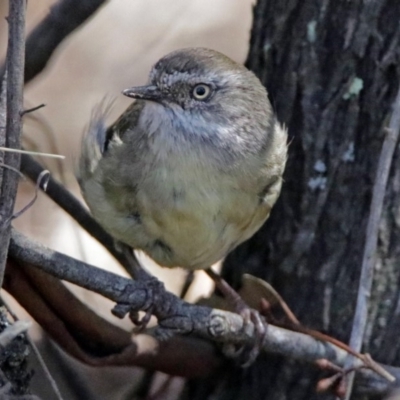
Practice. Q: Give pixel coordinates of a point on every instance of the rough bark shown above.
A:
(14, 96)
(332, 72)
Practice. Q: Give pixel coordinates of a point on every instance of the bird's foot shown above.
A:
(153, 286)
(245, 354)
(248, 354)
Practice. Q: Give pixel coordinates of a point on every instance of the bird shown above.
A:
(194, 165)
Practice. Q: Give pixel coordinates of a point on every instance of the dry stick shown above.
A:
(71, 205)
(3, 117)
(32, 153)
(174, 315)
(43, 179)
(64, 17)
(15, 81)
(17, 171)
(30, 110)
(74, 208)
(369, 257)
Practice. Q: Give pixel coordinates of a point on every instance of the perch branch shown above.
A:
(95, 341)
(369, 257)
(64, 17)
(14, 95)
(174, 315)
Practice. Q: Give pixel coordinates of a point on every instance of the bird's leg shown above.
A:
(248, 314)
(187, 284)
(134, 267)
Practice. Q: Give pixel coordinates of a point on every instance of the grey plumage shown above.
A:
(183, 179)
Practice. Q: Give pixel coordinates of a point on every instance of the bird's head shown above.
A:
(199, 80)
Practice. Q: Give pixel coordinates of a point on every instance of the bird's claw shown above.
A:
(245, 354)
(153, 288)
(260, 330)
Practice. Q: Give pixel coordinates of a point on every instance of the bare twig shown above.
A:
(30, 110)
(17, 171)
(64, 17)
(42, 180)
(45, 369)
(173, 314)
(15, 80)
(369, 257)
(3, 119)
(33, 153)
(69, 203)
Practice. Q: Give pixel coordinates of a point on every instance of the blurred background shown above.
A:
(114, 50)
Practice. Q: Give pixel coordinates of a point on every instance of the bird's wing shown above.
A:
(98, 138)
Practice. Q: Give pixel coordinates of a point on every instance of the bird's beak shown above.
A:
(149, 92)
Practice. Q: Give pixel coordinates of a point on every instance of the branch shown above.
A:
(15, 80)
(174, 315)
(95, 341)
(369, 257)
(3, 121)
(64, 17)
(71, 205)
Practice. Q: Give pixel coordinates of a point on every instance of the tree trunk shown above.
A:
(332, 72)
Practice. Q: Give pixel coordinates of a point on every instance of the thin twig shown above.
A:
(32, 153)
(30, 110)
(369, 257)
(17, 171)
(64, 17)
(3, 119)
(45, 369)
(69, 203)
(42, 181)
(15, 81)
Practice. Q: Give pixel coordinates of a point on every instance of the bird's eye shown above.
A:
(201, 92)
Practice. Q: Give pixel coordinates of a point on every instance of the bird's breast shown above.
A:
(176, 202)
(193, 212)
